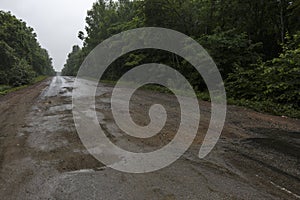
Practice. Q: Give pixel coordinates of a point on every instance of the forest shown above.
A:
(22, 59)
(255, 44)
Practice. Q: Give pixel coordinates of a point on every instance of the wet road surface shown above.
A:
(42, 156)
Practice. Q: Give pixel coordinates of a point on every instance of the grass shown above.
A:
(5, 89)
(267, 107)
(39, 79)
(153, 87)
(259, 106)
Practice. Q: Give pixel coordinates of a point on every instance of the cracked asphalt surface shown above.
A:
(42, 157)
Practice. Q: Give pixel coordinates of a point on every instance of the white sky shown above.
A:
(56, 22)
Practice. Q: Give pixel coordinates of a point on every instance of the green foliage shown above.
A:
(21, 74)
(105, 19)
(276, 81)
(73, 62)
(5, 89)
(230, 49)
(242, 36)
(294, 16)
(21, 57)
(7, 56)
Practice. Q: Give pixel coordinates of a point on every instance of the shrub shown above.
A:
(21, 74)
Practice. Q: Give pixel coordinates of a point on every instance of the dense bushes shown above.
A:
(276, 80)
(20, 74)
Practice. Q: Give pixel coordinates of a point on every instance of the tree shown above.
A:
(20, 74)
(276, 80)
(244, 37)
(294, 16)
(73, 62)
(230, 49)
(19, 46)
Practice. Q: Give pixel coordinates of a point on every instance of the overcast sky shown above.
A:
(56, 22)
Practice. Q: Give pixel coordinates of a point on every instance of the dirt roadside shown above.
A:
(14, 107)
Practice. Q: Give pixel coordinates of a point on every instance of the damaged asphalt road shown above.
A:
(42, 157)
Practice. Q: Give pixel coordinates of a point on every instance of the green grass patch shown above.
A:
(39, 79)
(5, 89)
(259, 106)
(267, 107)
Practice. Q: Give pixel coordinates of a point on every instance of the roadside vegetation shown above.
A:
(22, 60)
(255, 44)
(5, 89)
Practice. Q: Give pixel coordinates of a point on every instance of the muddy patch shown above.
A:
(76, 162)
(282, 141)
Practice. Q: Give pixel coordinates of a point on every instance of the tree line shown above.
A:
(21, 56)
(255, 44)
